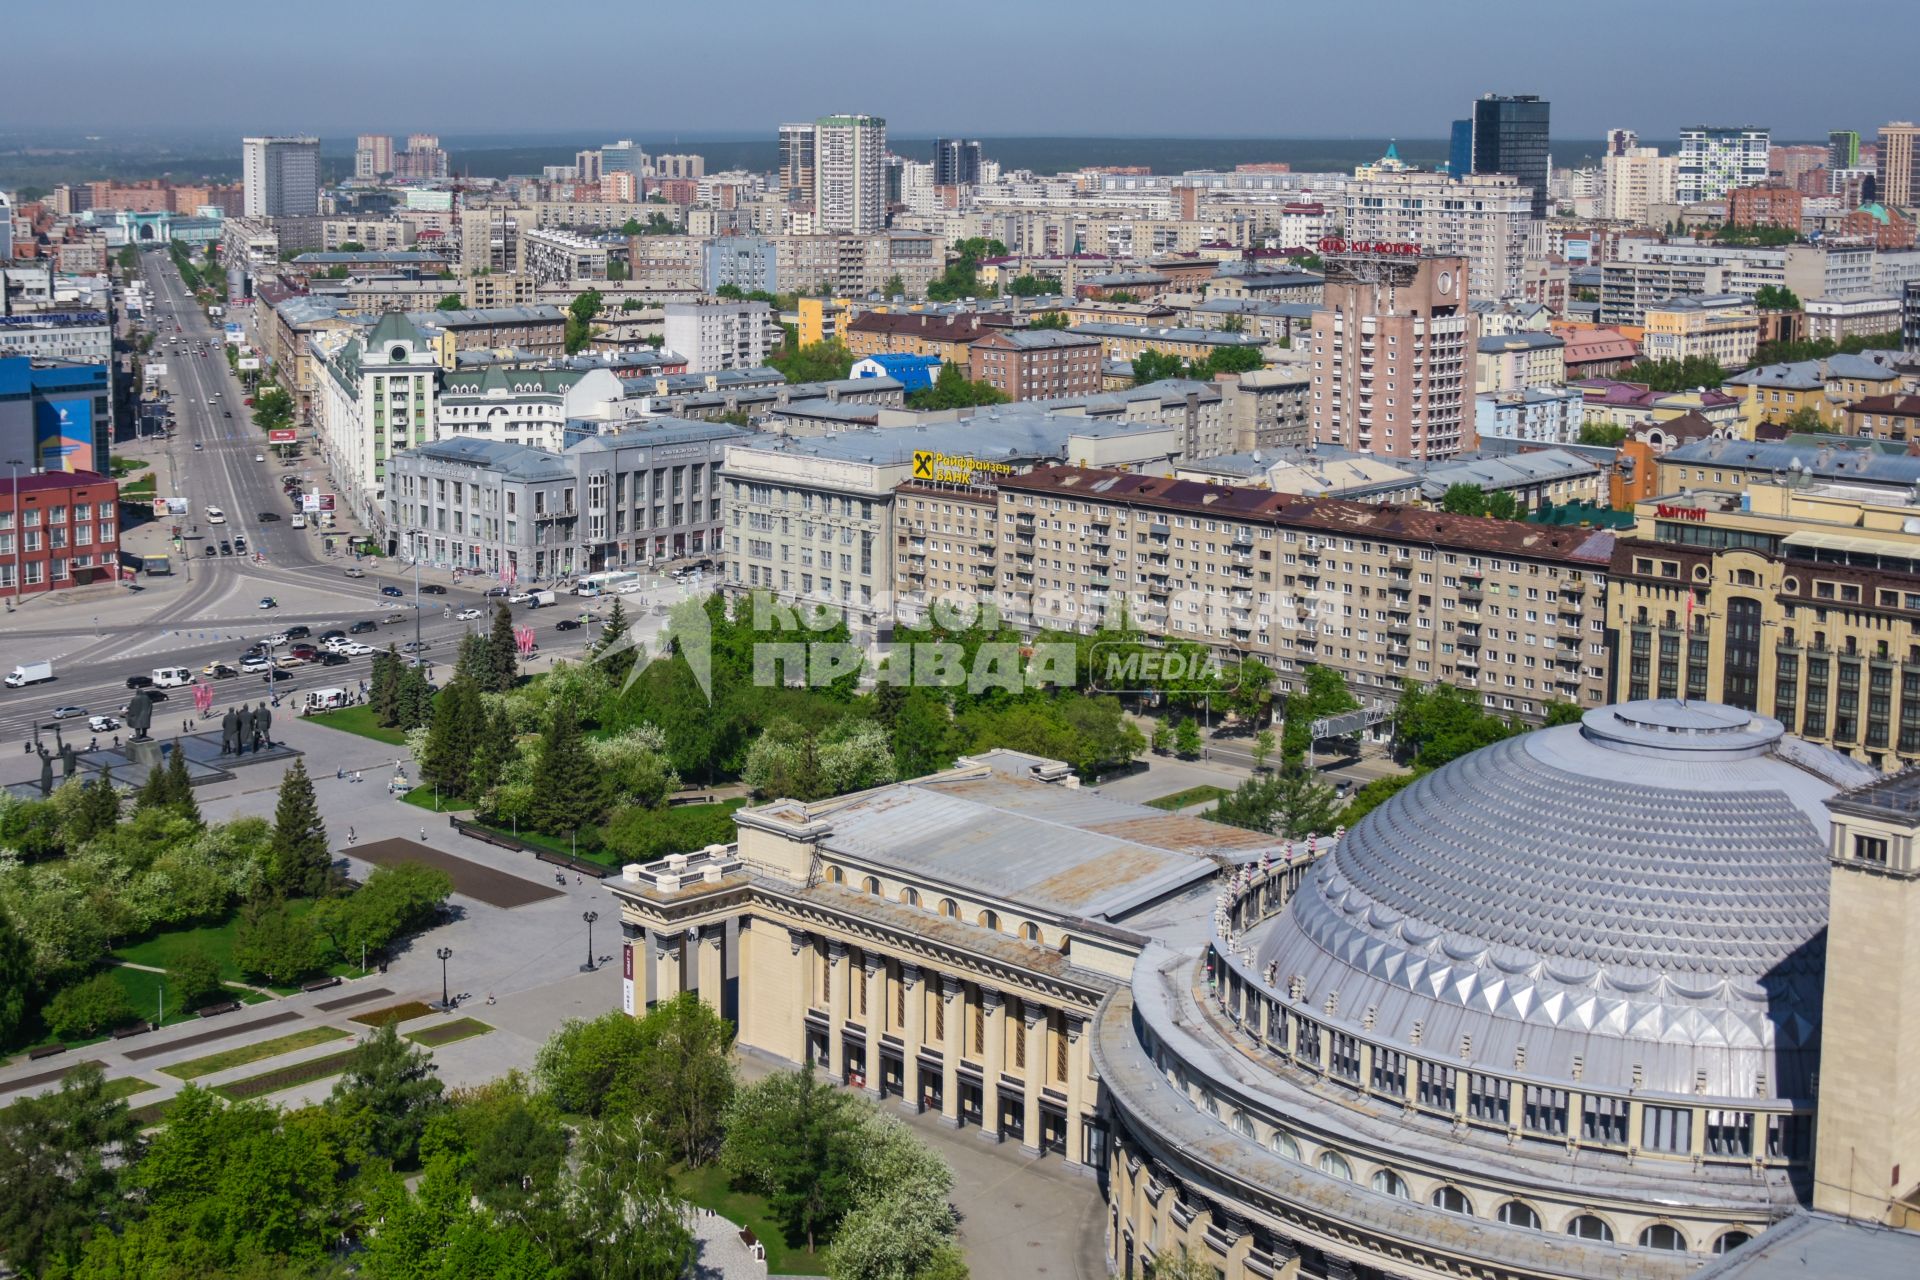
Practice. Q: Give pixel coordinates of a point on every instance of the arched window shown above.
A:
(836, 876)
(949, 908)
(1588, 1227)
(1515, 1214)
(1662, 1236)
(1242, 1125)
(1730, 1241)
(1452, 1199)
(910, 896)
(1335, 1165)
(989, 919)
(1030, 931)
(871, 884)
(1284, 1146)
(1389, 1183)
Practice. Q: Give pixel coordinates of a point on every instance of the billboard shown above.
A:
(314, 503)
(283, 435)
(63, 433)
(248, 362)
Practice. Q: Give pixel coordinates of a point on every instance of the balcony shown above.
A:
(1466, 641)
(1468, 660)
(1401, 572)
(1573, 590)
(1160, 529)
(1471, 595)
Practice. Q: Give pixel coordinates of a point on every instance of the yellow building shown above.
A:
(1805, 606)
(1126, 341)
(820, 319)
(1724, 328)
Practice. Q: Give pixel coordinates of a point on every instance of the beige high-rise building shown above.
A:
(796, 162)
(1483, 217)
(1899, 163)
(372, 156)
(849, 175)
(1392, 347)
(1631, 181)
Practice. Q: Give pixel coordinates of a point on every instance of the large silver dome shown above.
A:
(1637, 901)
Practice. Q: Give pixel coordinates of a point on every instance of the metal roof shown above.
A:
(1638, 901)
(1818, 1244)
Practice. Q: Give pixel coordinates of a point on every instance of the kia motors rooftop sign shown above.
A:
(1380, 248)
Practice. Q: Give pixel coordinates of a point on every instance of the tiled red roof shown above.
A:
(1896, 406)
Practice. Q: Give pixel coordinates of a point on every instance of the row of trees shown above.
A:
(1156, 366)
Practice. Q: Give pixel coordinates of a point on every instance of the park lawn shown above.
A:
(1192, 795)
(708, 1189)
(240, 1055)
(448, 1032)
(162, 950)
(425, 797)
(143, 992)
(127, 1086)
(360, 720)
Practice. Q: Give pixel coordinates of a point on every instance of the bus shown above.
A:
(600, 584)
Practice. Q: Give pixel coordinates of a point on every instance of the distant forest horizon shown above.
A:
(42, 163)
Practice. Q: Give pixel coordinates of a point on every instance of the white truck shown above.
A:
(26, 673)
(171, 677)
(541, 600)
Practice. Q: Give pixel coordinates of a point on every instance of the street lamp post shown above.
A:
(589, 917)
(445, 954)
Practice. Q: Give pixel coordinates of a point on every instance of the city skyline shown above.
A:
(326, 81)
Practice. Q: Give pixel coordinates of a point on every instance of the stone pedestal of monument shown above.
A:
(145, 755)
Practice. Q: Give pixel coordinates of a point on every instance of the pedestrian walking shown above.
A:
(350, 835)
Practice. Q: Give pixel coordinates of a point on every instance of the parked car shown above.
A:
(357, 650)
(298, 631)
(362, 627)
(304, 652)
(331, 658)
(332, 635)
(393, 592)
(275, 641)
(257, 662)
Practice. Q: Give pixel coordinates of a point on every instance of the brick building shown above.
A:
(58, 529)
(1036, 364)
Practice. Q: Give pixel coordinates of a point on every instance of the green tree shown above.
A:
(506, 652)
(273, 409)
(1051, 320)
(569, 791)
(386, 1096)
(1031, 286)
(613, 647)
(383, 689)
(951, 389)
(623, 1221)
(1186, 738)
(920, 735)
(1374, 794)
(1559, 713)
(1676, 375)
(302, 863)
(89, 1008)
(1502, 505)
(272, 943)
(895, 287)
(180, 787)
(1773, 297)
(1237, 359)
(61, 1159)
(451, 302)
(458, 723)
(16, 975)
(1436, 724)
(1182, 1264)
(1464, 500)
(797, 1140)
(1156, 366)
(591, 1066)
(153, 793)
(1262, 749)
(1293, 803)
(496, 749)
(413, 699)
(902, 1223)
(684, 1076)
(195, 978)
(818, 362)
(580, 314)
(1601, 434)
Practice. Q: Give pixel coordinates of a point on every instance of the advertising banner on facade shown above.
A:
(626, 979)
(63, 433)
(283, 435)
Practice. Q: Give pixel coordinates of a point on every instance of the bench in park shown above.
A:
(137, 1029)
(214, 1010)
(45, 1051)
(321, 984)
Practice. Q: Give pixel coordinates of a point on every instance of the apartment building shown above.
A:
(280, 176)
(491, 292)
(490, 239)
(58, 528)
(716, 335)
(1036, 364)
(1509, 611)
(1519, 362)
(387, 234)
(523, 406)
(375, 397)
(1633, 180)
(1724, 328)
(1897, 167)
(1801, 602)
(1125, 342)
(849, 176)
(1715, 159)
(813, 518)
(556, 257)
(946, 336)
(1484, 218)
(1390, 356)
(539, 330)
(946, 541)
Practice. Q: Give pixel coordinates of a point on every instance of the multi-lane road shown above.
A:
(216, 615)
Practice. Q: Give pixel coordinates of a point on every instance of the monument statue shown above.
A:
(247, 730)
(230, 733)
(140, 714)
(263, 716)
(46, 773)
(67, 762)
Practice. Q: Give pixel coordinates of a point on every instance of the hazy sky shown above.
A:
(1259, 68)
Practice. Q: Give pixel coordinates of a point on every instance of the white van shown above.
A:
(325, 699)
(299, 521)
(171, 677)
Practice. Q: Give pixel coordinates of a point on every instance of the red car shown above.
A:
(305, 652)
